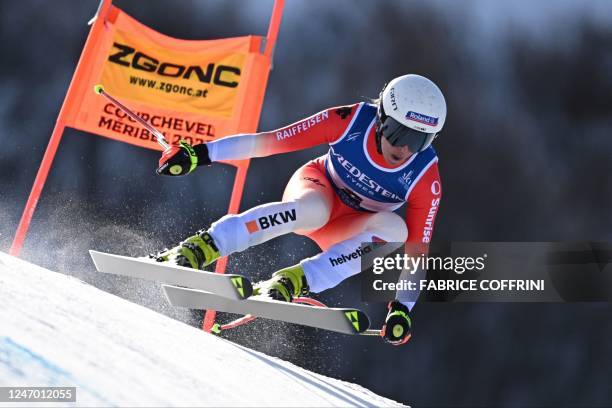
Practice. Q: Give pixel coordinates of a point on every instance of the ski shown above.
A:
(341, 320)
(235, 287)
(218, 328)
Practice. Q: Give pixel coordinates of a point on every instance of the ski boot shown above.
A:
(195, 252)
(284, 285)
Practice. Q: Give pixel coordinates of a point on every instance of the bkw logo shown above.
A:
(271, 220)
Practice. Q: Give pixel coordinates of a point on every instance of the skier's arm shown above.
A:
(422, 206)
(321, 128)
(421, 211)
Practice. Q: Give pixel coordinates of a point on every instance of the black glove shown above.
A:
(183, 159)
(398, 324)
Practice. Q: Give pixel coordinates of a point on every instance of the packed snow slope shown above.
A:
(58, 331)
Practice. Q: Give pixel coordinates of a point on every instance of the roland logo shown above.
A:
(424, 119)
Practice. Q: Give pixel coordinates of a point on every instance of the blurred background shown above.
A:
(525, 155)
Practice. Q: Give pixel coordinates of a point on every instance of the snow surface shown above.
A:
(58, 331)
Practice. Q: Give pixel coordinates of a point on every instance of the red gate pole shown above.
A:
(39, 182)
(234, 207)
(275, 20)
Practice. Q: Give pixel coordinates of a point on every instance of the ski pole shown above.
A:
(372, 332)
(99, 89)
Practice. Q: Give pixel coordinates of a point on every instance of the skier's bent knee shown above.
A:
(313, 211)
(391, 225)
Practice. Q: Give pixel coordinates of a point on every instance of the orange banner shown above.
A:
(191, 90)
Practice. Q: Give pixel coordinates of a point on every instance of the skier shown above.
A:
(380, 157)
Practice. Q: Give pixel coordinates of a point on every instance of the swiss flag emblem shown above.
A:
(252, 226)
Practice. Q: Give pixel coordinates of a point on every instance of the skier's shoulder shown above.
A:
(345, 112)
(429, 164)
(338, 119)
(429, 156)
(427, 181)
(348, 111)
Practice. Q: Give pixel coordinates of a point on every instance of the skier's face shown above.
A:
(394, 155)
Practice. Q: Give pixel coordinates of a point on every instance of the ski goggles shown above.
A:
(400, 135)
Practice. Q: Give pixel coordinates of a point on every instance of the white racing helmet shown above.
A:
(411, 112)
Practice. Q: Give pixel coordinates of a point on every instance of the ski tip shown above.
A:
(171, 292)
(93, 254)
(358, 319)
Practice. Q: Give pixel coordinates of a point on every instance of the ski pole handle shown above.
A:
(99, 89)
